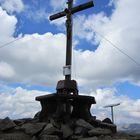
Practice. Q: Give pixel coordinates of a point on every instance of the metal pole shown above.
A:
(112, 114)
(69, 37)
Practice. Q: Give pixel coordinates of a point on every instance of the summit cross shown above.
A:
(68, 12)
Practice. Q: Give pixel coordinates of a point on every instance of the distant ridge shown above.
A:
(130, 128)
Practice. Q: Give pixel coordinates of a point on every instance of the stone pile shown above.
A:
(74, 129)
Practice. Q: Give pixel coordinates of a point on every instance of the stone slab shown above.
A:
(49, 137)
(6, 124)
(99, 131)
(92, 138)
(33, 128)
(67, 131)
(83, 123)
(14, 136)
(55, 96)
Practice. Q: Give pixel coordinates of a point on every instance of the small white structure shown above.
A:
(111, 106)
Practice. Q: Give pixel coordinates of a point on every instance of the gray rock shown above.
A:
(99, 131)
(75, 137)
(48, 126)
(49, 137)
(91, 138)
(19, 121)
(78, 130)
(6, 124)
(22, 121)
(67, 131)
(105, 138)
(81, 131)
(34, 138)
(112, 127)
(33, 128)
(107, 120)
(17, 128)
(83, 123)
(15, 136)
(51, 130)
(55, 123)
(36, 116)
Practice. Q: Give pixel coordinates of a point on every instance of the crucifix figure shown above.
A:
(68, 12)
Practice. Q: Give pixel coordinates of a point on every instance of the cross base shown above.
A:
(64, 106)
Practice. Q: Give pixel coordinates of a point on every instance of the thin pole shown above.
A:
(112, 114)
(69, 37)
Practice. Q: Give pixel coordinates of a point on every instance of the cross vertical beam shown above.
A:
(69, 37)
(68, 12)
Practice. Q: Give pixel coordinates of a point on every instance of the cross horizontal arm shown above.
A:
(58, 15)
(74, 10)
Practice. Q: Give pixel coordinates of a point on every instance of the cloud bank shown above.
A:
(20, 103)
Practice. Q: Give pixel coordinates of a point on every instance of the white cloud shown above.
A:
(12, 5)
(107, 65)
(61, 5)
(58, 5)
(122, 29)
(37, 58)
(36, 14)
(89, 25)
(8, 25)
(127, 112)
(6, 71)
(19, 103)
(34, 58)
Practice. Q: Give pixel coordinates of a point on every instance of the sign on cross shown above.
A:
(68, 12)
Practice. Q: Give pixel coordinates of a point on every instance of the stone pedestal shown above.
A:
(66, 105)
(61, 106)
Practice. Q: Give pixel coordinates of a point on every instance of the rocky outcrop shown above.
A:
(75, 129)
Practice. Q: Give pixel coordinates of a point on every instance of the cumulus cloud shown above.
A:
(19, 103)
(33, 58)
(6, 70)
(122, 30)
(107, 65)
(57, 6)
(37, 58)
(37, 15)
(12, 5)
(36, 11)
(8, 26)
(127, 112)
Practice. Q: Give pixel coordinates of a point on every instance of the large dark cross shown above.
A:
(68, 12)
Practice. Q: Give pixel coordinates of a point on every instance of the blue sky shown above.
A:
(34, 63)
